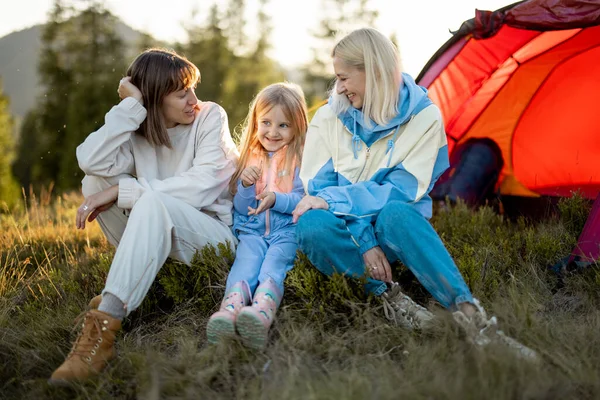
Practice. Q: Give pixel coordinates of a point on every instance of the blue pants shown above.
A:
(259, 258)
(402, 233)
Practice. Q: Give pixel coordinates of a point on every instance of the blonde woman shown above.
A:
(157, 176)
(371, 157)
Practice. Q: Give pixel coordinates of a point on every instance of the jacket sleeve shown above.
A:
(408, 181)
(363, 233)
(107, 152)
(211, 170)
(286, 202)
(244, 197)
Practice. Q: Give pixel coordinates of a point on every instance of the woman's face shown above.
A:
(179, 107)
(351, 82)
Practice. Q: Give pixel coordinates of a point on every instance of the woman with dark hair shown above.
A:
(157, 176)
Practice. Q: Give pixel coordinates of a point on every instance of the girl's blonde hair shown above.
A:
(370, 51)
(290, 98)
(157, 73)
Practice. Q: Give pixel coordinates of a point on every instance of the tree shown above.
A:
(209, 50)
(9, 191)
(81, 61)
(28, 167)
(96, 65)
(233, 70)
(339, 16)
(250, 73)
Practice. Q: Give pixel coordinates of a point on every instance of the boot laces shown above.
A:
(83, 347)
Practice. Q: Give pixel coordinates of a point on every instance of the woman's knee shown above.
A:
(148, 203)
(315, 227)
(397, 215)
(93, 184)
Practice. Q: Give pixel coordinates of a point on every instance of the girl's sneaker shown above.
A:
(253, 322)
(222, 323)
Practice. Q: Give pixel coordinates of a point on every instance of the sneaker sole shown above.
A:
(218, 328)
(252, 330)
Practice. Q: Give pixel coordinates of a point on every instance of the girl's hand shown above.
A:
(250, 176)
(95, 204)
(308, 203)
(378, 266)
(128, 89)
(267, 200)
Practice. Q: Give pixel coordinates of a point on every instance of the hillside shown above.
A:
(19, 54)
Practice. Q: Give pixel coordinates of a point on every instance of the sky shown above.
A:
(421, 26)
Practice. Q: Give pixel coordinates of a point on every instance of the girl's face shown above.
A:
(179, 107)
(274, 129)
(351, 82)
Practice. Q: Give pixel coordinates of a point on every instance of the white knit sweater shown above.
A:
(197, 169)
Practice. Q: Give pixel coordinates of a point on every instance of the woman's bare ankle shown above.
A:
(468, 309)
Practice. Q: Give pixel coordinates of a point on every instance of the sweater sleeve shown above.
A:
(107, 152)
(209, 175)
(285, 203)
(244, 197)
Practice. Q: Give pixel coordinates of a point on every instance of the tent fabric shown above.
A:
(535, 15)
(528, 77)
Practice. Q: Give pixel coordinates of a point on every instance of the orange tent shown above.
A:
(528, 77)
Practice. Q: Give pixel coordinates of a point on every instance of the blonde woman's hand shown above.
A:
(266, 201)
(95, 204)
(377, 264)
(250, 175)
(128, 89)
(308, 203)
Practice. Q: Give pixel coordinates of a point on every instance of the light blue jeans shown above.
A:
(402, 233)
(259, 258)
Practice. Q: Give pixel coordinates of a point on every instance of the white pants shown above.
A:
(158, 226)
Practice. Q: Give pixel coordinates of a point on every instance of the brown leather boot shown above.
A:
(92, 350)
(95, 302)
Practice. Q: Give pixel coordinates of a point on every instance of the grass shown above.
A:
(329, 341)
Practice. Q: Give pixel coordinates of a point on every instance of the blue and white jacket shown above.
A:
(358, 170)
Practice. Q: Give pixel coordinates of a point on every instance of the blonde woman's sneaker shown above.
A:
(253, 322)
(403, 311)
(482, 331)
(222, 323)
(92, 350)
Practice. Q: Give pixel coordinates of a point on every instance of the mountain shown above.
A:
(19, 53)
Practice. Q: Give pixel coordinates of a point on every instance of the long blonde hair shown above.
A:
(157, 73)
(370, 51)
(290, 98)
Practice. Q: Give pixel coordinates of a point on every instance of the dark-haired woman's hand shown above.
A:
(128, 89)
(308, 203)
(95, 204)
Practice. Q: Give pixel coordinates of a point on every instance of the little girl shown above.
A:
(266, 188)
